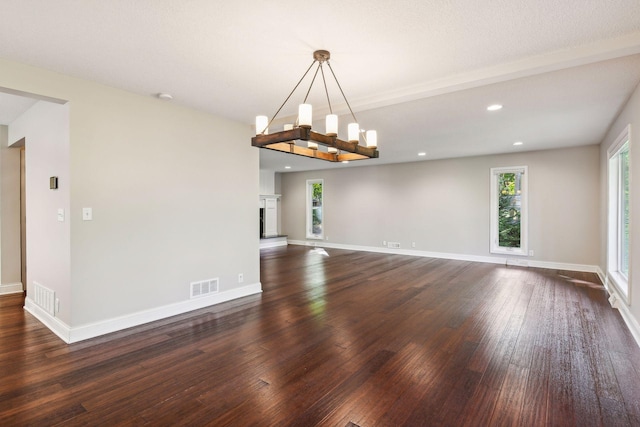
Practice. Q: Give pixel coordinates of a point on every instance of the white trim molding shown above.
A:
(601, 275)
(520, 200)
(515, 261)
(11, 288)
(92, 330)
(273, 242)
(617, 302)
(56, 325)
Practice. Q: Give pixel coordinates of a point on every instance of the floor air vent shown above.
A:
(204, 287)
(44, 297)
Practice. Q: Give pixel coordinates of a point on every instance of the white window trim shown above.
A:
(309, 207)
(617, 279)
(524, 212)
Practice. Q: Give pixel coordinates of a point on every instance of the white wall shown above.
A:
(443, 205)
(45, 129)
(173, 192)
(10, 273)
(629, 115)
(267, 182)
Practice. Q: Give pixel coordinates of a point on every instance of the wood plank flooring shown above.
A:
(343, 339)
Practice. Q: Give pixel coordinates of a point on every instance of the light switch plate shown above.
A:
(87, 214)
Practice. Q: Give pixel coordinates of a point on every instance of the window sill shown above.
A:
(509, 251)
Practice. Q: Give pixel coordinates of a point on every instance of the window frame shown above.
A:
(619, 279)
(309, 210)
(495, 248)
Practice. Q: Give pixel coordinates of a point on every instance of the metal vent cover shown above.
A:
(44, 298)
(204, 287)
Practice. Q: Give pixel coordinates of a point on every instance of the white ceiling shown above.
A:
(420, 72)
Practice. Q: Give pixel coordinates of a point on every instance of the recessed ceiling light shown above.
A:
(165, 96)
(345, 161)
(494, 107)
(422, 153)
(287, 167)
(518, 143)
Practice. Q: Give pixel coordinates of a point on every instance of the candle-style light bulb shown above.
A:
(353, 132)
(372, 139)
(305, 115)
(261, 125)
(332, 125)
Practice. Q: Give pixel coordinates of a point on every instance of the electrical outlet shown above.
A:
(240, 278)
(57, 305)
(413, 244)
(384, 243)
(531, 252)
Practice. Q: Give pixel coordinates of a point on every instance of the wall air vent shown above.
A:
(44, 298)
(393, 245)
(517, 262)
(204, 287)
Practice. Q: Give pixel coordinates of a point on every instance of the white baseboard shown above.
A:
(92, 330)
(10, 288)
(56, 325)
(273, 244)
(617, 302)
(564, 266)
(459, 257)
(410, 252)
(601, 275)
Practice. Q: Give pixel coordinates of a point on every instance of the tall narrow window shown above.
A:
(509, 210)
(618, 223)
(315, 229)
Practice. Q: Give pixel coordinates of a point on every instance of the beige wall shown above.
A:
(9, 211)
(443, 205)
(45, 129)
(629, 115)
(173, 191)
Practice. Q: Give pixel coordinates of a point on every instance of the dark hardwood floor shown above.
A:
(344, 339)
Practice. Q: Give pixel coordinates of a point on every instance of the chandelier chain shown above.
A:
(289, 96)
(326, 91)
(312, 82)
(319, 68)
(342, 92)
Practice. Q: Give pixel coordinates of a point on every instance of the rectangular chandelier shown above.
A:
(284, 141)
(337, 150)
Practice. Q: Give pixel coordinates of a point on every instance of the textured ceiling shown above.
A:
(420, 72)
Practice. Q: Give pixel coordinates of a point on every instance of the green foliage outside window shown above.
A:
(508, 211)
(317, 193)
(624, 219)
(316, 210)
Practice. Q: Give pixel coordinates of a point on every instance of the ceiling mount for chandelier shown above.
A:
(324, 146)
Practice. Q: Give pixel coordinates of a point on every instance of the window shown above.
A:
(509, 210)
(314, 209)
(618, 223)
